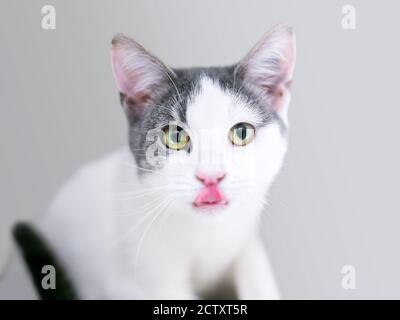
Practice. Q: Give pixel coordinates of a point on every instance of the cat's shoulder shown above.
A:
(90, 189)
(99, 173)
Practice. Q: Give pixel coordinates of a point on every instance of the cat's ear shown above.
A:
(267, 69)
(140, 77)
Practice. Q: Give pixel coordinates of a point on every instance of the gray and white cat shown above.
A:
(176, 214)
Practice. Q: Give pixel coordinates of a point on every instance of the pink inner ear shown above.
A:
(123, 82)
(269, 66)
(278, 96)
(281, 87)
(136, 74)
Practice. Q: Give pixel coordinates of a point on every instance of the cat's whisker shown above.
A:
(169, 188)
(239, 184)
(149, 213)
(146, 186)
(177, 91)
(242, 189)
(132, 188)
(140, 186)
(262, 201)
(144, 190)
(144, 235)
(264, 204)
(140, 209)
(166, 216)
(139, 195)
(154, 209)
(241, 180)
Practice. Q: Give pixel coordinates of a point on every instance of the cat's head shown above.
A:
(209, 138)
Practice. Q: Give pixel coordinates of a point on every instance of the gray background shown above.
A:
(336, 201)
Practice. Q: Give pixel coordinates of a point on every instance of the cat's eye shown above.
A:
(175, 137)
(241, 134)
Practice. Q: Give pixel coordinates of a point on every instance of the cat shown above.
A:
(176, 213)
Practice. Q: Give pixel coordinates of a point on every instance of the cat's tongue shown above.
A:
(210, 195)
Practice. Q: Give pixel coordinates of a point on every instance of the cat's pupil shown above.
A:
(174, 136)
(241, 132)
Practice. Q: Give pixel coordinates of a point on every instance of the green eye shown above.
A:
(175, 137)
(241, 134)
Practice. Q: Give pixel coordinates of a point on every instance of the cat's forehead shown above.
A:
(208, 98)
(213, 106)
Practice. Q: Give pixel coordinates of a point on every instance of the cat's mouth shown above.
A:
(210, 197)
(210, 204)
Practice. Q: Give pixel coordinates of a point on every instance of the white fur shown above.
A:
(119, 239)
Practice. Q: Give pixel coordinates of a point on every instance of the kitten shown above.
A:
(176, 214)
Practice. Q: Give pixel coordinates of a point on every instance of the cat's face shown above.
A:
(209, 139)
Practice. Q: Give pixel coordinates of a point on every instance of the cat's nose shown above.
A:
(210, 179)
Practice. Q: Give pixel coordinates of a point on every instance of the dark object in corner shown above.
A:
(36, 254)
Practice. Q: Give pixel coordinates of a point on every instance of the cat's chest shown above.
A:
(210, 252)
(212, 262)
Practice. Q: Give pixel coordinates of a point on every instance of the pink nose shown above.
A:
(211, 179)
(211, 194)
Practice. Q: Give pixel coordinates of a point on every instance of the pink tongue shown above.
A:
(209, 195)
